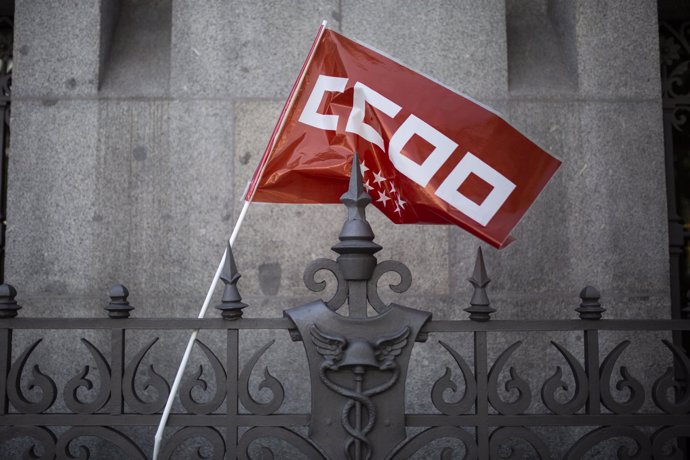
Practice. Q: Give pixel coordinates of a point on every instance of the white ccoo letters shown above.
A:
(355, 123)
(481, 213)
(420, 173)
(310, 115)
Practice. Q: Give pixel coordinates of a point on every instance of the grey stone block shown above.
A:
(168, 197)
(150, 209)
(542, 58)
(457, 43)
(618, 49)
(110, 14)
(51, 236)
(57, 48)
(616, 199)
(138, 62)
(238, 48)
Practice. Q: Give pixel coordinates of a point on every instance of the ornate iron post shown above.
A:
(358, 363)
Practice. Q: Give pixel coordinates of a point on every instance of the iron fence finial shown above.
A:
(8, 306)
(356, 247)
(480, 309)
(590, 308)
(118, 307)
(231, 304)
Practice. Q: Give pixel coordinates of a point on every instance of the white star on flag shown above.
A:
(383, 198)
(378, 185)
(378, 178)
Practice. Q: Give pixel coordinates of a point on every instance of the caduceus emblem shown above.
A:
(358, 355)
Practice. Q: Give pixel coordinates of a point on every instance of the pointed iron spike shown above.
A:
(479, 275)
(231, 303)
(229, 271)
(355, 198)
(480, 309)
(356, 247)
(356, 176)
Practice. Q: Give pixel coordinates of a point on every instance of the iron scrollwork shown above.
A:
(381, 269)
(412, 445)
(187, 388)
(69, 438)
(154, 380)
(269, 382)
(643, 446)
(662, 449)
(81, 380)
(675, 51)
(524, 397)
(39, 381)
(517, 432)
(636, 396)
(208, 434)
(667, 382)
(43, 449)
(340, 295)
(555, 382)
(304, 445)
(445, 383)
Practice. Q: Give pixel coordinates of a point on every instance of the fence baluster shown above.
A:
(231, 399)
(591, 309)
(482, 406)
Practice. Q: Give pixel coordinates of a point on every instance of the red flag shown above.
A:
(428, 154)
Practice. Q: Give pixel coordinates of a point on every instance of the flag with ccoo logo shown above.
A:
(429, 155)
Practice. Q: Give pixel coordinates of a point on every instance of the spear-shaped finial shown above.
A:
(479, 309)
(231, 304)
(356, 199)
(356, 247)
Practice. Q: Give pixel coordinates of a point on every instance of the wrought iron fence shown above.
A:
(358, 366)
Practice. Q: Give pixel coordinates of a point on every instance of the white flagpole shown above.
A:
(195, 332)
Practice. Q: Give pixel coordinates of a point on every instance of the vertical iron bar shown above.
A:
(481, 365)
(5, 361)
(117, 357)
(231, 399)
(592, 368)
(357, 299)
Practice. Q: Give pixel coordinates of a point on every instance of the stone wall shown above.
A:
(135, 126)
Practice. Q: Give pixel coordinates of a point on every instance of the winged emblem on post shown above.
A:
(338, 352)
